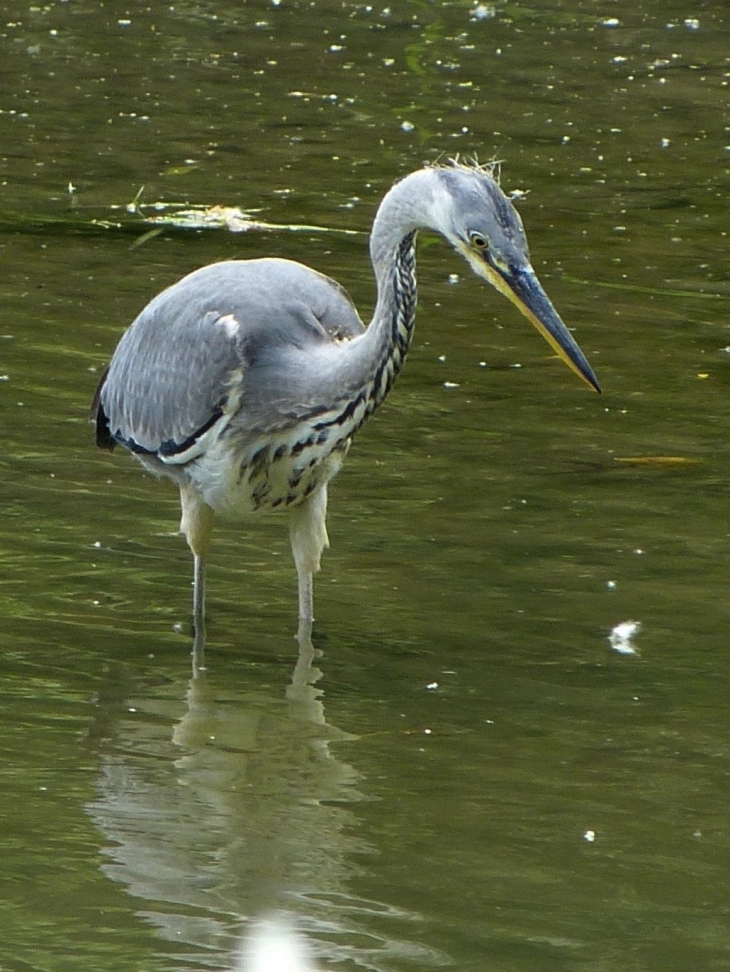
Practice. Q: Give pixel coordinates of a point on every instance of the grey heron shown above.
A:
(246, 381)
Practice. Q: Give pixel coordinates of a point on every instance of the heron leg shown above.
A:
(308, 533)
(198, 588)
(197, 525)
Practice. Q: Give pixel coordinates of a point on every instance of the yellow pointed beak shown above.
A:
(526, 292)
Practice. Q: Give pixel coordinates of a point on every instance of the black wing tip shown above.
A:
(97, 416)
(104, 438)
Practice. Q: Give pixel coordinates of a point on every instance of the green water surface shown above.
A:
(468, 776)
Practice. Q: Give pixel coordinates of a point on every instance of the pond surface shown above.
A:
(469, 775)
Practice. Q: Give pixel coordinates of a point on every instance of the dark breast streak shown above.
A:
(276, 477)
(283, 469)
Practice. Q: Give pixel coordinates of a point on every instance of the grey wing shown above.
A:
(182, 365)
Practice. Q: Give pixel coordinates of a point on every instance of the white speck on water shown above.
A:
(407, 126)
(451, 384)
(482, 11)
(453, 278)
(590, 836)
(622, 635)
(442, 357)
(432, 686)
(611, 22)
(611, 585)
(664, 142)
(691, 23)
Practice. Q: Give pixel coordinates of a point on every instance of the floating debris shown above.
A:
(621, 637)
(229, 218)
(159, 217)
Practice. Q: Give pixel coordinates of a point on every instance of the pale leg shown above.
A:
(308, 534)
(197, 525)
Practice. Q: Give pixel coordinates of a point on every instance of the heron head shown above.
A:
(480, 221)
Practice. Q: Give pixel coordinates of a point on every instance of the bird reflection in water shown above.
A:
(227, 814)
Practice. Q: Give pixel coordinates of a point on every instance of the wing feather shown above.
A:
(183, 363)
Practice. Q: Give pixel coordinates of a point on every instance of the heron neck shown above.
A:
(389, 334)
(362, 372)
(404, 210)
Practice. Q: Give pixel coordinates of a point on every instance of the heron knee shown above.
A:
(308, 532)
(196, 521)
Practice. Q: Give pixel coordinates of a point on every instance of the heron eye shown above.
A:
(478, 241)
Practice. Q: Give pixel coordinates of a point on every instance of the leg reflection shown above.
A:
(226, 801)
(198, 651)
